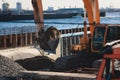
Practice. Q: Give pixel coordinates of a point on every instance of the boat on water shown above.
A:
(9, 17)
(8, 14)
(48, 14)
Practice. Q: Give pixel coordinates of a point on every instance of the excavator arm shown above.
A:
(38, 15)
(48, 40)
(92, 9)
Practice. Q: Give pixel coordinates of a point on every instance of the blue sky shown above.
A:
(26, 4)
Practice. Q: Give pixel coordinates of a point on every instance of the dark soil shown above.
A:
(37, 63)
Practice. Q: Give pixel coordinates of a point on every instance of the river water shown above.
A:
(25, 26)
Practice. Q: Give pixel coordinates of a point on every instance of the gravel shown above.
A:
(9, 68)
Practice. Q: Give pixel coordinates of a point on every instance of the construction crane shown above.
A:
(90, 47)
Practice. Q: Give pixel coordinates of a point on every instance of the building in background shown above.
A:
(5, 7)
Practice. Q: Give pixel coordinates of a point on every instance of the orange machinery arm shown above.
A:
(92, 9)
(38, 14)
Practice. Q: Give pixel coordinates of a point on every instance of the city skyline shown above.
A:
(26, 4)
